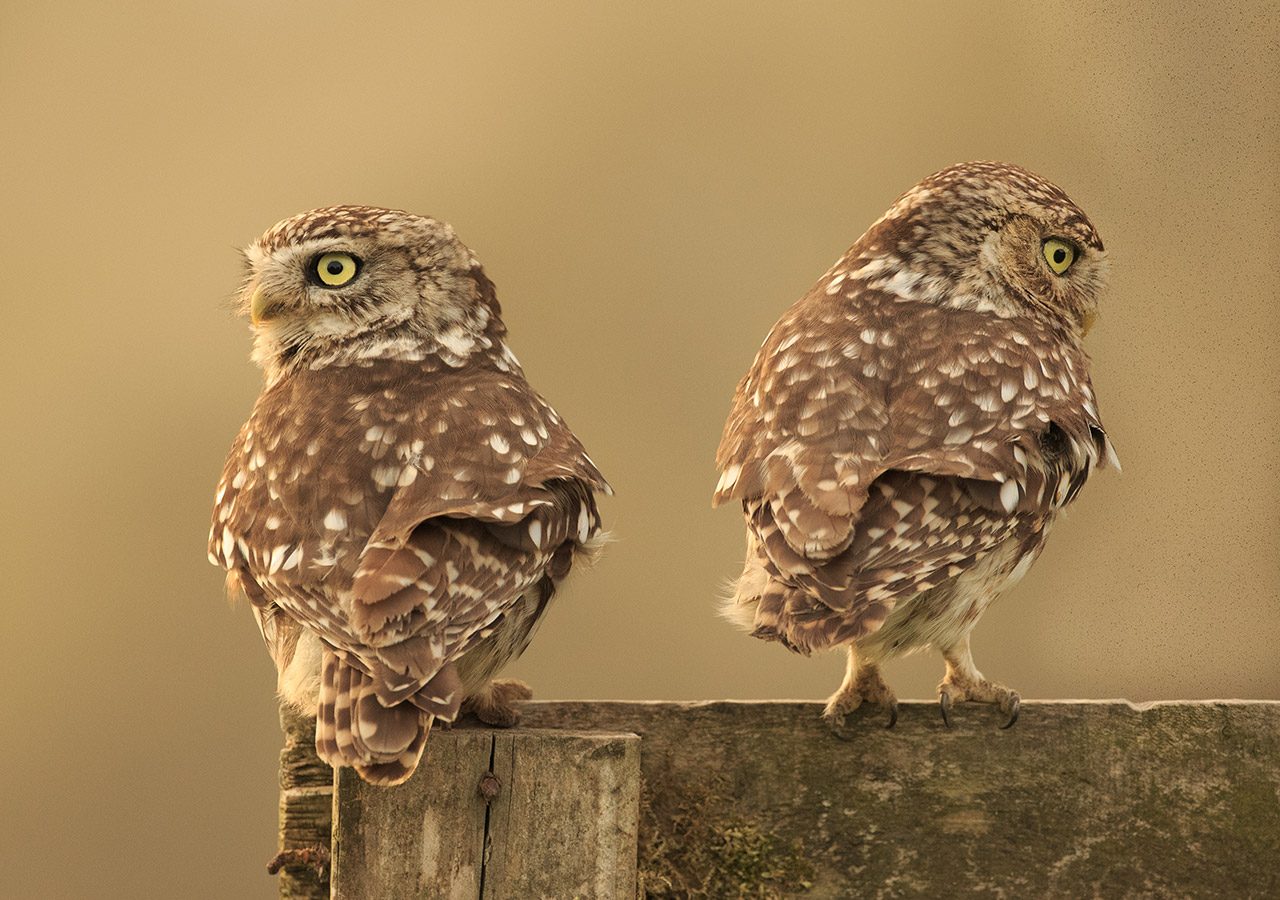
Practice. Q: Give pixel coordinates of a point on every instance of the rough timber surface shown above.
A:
(493, 814)
(306, 810)
(1079, 799)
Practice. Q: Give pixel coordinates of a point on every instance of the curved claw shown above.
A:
(1015, 705)
(893, 714)
(836, 725)
(944, 704)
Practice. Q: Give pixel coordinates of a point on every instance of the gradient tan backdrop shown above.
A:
(650, 185)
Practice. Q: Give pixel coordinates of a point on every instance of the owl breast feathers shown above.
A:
(400, 505)
(926, 403)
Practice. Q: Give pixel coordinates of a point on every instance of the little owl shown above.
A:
(401, 505)
(912, 427)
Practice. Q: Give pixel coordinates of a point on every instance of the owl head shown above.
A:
(988, 235)
(358, 282)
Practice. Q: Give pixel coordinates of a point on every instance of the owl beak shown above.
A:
(262, 307)
(1086, 322)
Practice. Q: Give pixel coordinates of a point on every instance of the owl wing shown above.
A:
(499, 503)
(881, 448)
(410, 513)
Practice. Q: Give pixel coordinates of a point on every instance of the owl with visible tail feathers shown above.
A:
(401, 505)
(913, 426)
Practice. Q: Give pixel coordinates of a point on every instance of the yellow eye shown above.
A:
(1059, 255)
(336, 269)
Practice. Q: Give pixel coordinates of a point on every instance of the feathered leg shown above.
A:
(495, 703)
(964, 682)
(862, 682)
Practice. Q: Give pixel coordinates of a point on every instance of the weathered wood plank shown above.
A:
(495, 814)
(565, 821)
(424, 838)
(1079, 799)
(306, 812)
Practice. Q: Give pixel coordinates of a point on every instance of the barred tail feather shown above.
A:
(398, 770)
(382, 743)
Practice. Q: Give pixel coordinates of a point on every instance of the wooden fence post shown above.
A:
(306, 813)
(1103, 798)
(495, 814)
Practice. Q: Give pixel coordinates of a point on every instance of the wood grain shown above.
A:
(306, 810)
(495, 814)
(1105, 799)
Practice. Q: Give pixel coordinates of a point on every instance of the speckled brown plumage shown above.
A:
(400, 505)
(912, 426)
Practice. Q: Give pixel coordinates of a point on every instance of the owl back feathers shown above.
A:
(882, 445)
(400, 512)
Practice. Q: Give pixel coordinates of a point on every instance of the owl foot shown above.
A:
(865, 686)
(978, 691)
(495, 703)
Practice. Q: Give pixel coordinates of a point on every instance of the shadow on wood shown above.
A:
(1080, 798)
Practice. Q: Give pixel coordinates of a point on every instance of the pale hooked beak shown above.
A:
(261, 306)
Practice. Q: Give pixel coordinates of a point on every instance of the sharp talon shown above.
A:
(1015, 705)
(944, 704)
(835, 724)
(863, 688)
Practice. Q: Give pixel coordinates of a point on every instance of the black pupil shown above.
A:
(335, 267)
(1059, 256)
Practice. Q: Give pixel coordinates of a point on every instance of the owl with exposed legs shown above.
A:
(913, 426)
(401, 505)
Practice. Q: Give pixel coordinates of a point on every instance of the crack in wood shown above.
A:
(486, 845)
(491, 815)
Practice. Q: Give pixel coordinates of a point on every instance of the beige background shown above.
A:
(650, 186)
